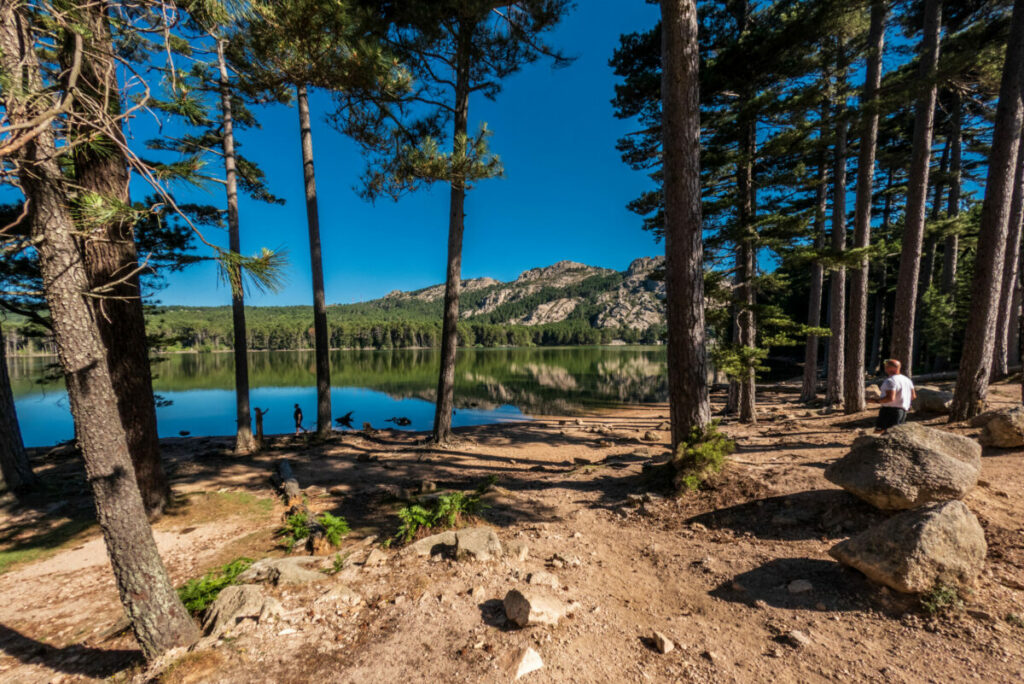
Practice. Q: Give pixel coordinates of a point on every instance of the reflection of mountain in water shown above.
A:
(537, 380)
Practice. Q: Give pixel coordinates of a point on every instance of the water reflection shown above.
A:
(491, 385)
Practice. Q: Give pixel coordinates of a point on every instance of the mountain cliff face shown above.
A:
(601, 297)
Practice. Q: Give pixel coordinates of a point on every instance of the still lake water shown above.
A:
(491, 386)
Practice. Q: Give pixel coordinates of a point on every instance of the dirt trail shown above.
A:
(711, 570)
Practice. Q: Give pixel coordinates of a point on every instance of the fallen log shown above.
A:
(289, 485)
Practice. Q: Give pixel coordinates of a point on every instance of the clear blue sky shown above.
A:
(563, 195)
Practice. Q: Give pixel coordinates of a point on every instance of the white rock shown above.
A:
(527, 607)
(522, 661)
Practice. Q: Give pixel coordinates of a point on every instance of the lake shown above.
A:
(196, 391)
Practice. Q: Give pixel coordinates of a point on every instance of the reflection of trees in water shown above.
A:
(636, 379)
(537, 380)
(547, 375)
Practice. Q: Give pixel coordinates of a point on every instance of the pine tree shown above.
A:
(976, 358)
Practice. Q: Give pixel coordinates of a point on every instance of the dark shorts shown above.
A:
(889, 416)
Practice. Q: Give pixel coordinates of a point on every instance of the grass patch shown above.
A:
(19, 549)
(299, 526)
(200, 507)
(197, 594)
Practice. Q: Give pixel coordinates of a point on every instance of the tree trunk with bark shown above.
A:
(746, 317)
(856, 330)
(837, 282)
(111, 261)
(809, 390)
(1004, 320)
(245, 442)
(456, 226)
(15, 472)
(158, 617)
(689, 406)
(901, 347)
(322, 349)
(976, 358)
(952, 244)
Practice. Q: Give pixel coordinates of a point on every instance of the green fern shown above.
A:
(334, 528)
(444, 513)
(197, 594)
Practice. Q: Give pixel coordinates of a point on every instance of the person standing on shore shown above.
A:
(897, 394)
(298, 420)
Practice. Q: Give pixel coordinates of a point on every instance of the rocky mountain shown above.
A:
(567, 290)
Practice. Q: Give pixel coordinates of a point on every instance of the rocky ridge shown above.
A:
(604, 297)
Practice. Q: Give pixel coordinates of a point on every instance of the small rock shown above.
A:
(375, 557)
(291, 570)
(711, 656)
(1004, 429)
(527, 607)
(518, 550)
(800, 586)
(796, 638)
(522, 661)
(544, 579)
(651, 436)
(664, 426)
(662, 643)
(433, 545)
(427, 486)
(477, 543)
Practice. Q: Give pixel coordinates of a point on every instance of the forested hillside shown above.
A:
(563, 304)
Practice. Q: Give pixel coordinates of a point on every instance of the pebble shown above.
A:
(800, 586)
(662, 643)
(797, 639)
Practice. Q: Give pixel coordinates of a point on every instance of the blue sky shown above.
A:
(563, 195)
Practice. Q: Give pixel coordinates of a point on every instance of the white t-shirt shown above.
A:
(903, 391)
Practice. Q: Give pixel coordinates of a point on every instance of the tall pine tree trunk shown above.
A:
(453, 279)
(976, 358)
(837, 282)
(15, 472)
(901, 347)
(952, 245)
(323, 358)
(689, 407)
(245, 442)
(746, 316)
(111, 261)
(158, 617)
(809, 390)
(856, 329)
(1001, 355)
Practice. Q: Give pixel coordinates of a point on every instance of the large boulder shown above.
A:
(915, 550)
(933, 400)
(909, 466)
(1004, 428)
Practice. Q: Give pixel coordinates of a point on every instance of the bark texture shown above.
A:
(837, 281)
(111, 260)
(901, 347)
(453, 278)
(684, 253)
(976, 358)
(856, 329)
(15, 472)
(1004, 320)
(158, 618)
(245, 442)
(747, 272)
(809, 390)
(322, 349)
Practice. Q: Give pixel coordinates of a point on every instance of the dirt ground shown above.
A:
(710, 570)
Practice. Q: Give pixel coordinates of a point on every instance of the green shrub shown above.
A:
(701, 456)
(941, 599)
(197, 594)
(1015, 620)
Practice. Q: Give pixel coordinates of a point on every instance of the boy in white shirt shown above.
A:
(897, 393)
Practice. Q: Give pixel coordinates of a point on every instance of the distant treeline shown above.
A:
(407, 325)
